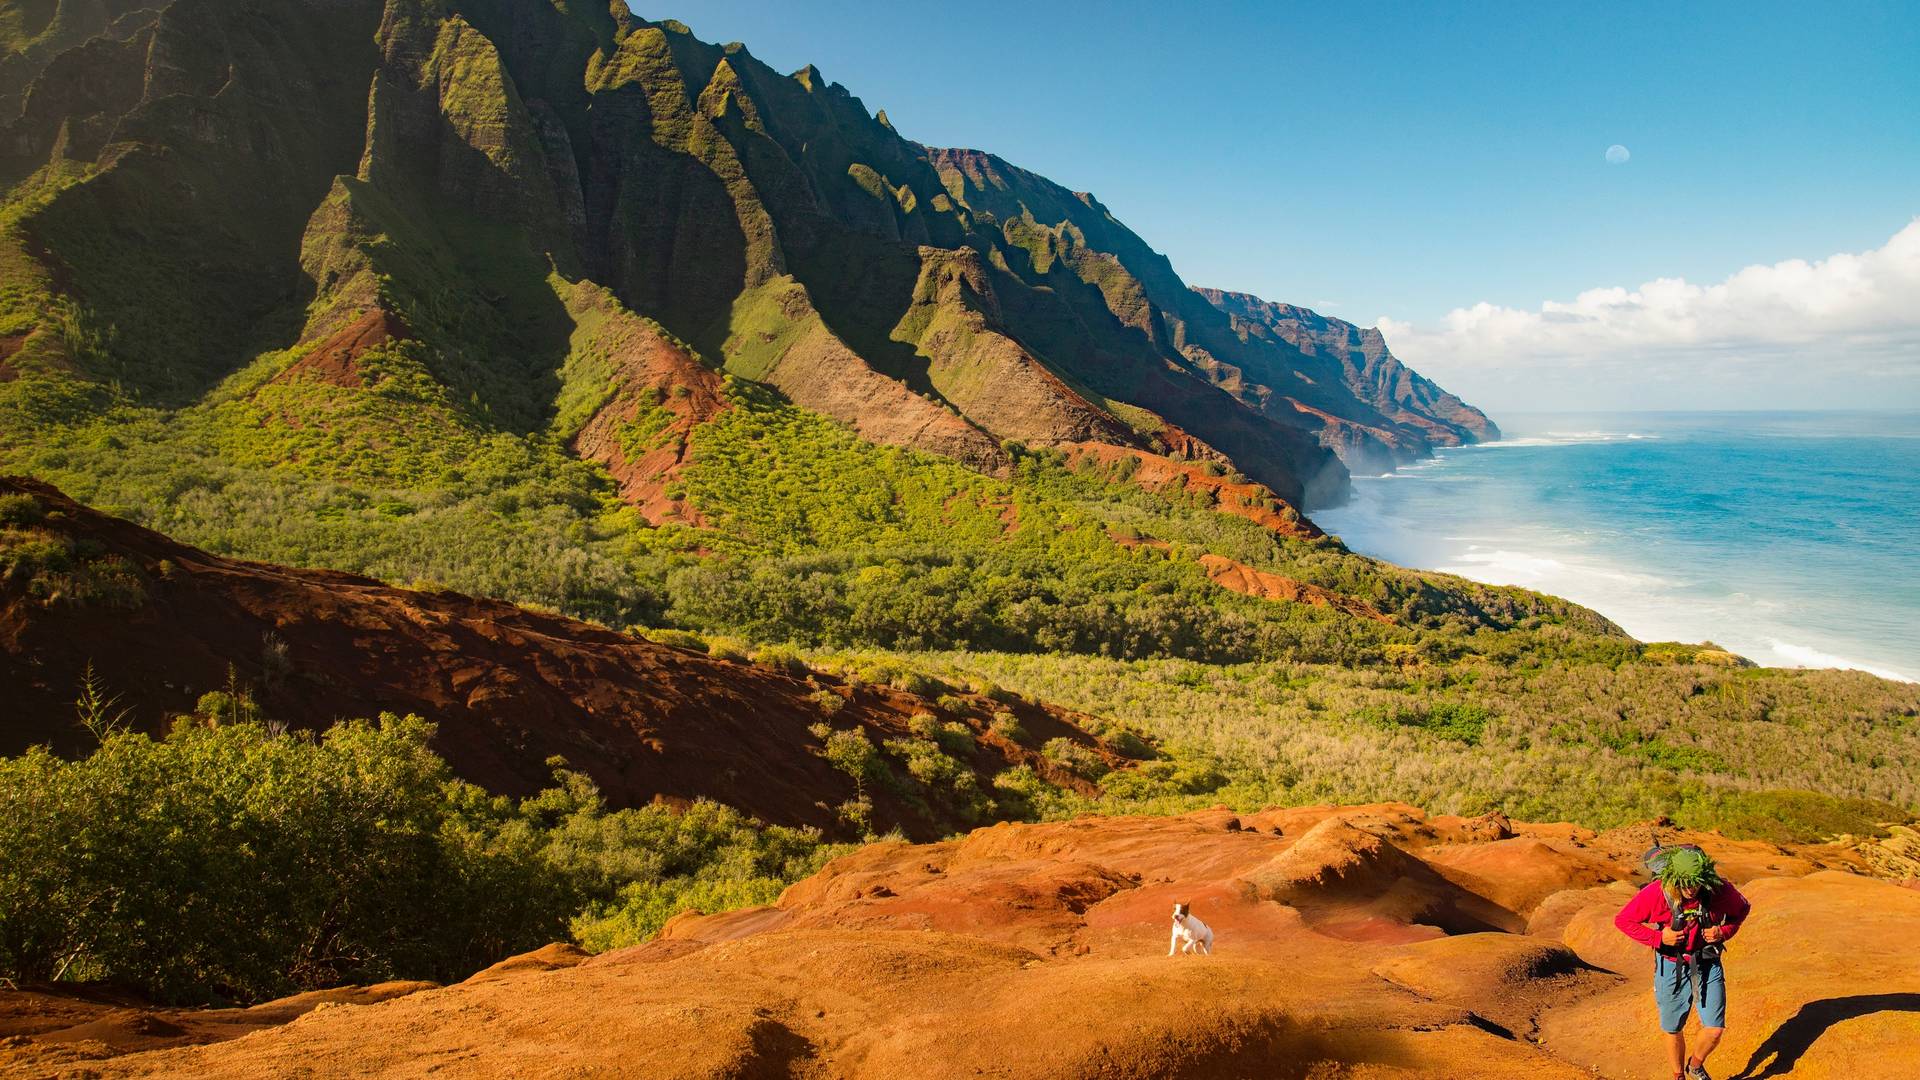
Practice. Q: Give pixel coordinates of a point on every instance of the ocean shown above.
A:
(1791, 538)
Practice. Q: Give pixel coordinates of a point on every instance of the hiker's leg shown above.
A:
(1673, 992)
(1713, 1009)
(1677, 1051)
(1709, 1038)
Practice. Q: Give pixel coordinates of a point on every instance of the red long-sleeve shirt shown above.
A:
(1726, 908)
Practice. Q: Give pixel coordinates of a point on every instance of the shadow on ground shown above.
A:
(1790, 1040)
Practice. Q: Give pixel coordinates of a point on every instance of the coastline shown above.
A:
(1591, 512)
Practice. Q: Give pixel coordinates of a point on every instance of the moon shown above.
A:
(1617, 154)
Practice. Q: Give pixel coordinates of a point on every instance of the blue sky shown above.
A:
(1408, 160)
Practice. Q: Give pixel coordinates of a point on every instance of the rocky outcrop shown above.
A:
(1040, 951)
(1406, 414)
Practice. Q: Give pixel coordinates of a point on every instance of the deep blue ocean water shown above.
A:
(1790, 538)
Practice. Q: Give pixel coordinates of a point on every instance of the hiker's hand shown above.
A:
(1712, 933)
(1670, 936)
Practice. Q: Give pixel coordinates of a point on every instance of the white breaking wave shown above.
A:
(1560, 562)
(1564, 438)
(1803, 656)
(1505, 567)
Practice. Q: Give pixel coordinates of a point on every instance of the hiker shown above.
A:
(1686, 915)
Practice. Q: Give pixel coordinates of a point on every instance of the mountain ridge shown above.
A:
(457, 154)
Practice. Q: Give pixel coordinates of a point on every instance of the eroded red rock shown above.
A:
(1040, 951)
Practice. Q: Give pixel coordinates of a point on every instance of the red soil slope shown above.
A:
(650, 373)
(337, 359)
(1247, 499)
(508, 687)
(1363, 942)
(1242, 578)
(1248, 581)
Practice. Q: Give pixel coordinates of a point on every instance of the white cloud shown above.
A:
(1845, 314)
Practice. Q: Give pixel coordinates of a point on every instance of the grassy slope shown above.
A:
(1479, 698)
(452, 467)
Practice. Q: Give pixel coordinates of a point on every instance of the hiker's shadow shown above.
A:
(1790, 1040)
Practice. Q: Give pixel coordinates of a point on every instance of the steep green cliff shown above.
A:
(205, 196)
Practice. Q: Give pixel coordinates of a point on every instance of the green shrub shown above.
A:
(1008, 726)
(225, 862)
(725, 648)
(955, 738)
(1075, 758)
(710, 858)
(1128, 744)
(913, 682)
(55, 570)
(1460, 722)
(1023, 795)
(953, 703)
(940, 778)
(679, 639)
(781, 658)
(853, 753)
(20, 510)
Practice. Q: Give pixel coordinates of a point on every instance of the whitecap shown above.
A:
(1805, 656)
(1564, 438)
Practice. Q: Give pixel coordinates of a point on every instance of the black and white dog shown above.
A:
(1189, 933)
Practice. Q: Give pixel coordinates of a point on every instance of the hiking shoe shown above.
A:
(1697, 1072)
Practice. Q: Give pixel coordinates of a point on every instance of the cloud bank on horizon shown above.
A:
(1839, 332)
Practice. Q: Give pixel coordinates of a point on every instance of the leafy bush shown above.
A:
(1459, 722)
(936, 778)
(679, 639)
(20, 510)
(1600, 743)
(780, 658)
(726, 648)
(1075, 758)
(227, 863)
(707, 859)
(1788, 817)
(55, 570)
(853, 753)
(953, 703)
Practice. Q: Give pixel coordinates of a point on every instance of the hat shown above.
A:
(1687, 868)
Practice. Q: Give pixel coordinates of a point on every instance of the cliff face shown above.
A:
(1403, 415)
(198, 188)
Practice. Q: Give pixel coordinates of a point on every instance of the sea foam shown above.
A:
(1731, 528)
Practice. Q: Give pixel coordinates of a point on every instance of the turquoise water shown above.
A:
(1790, 538)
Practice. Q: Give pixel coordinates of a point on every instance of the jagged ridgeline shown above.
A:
(538, 216)
(544, 301)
